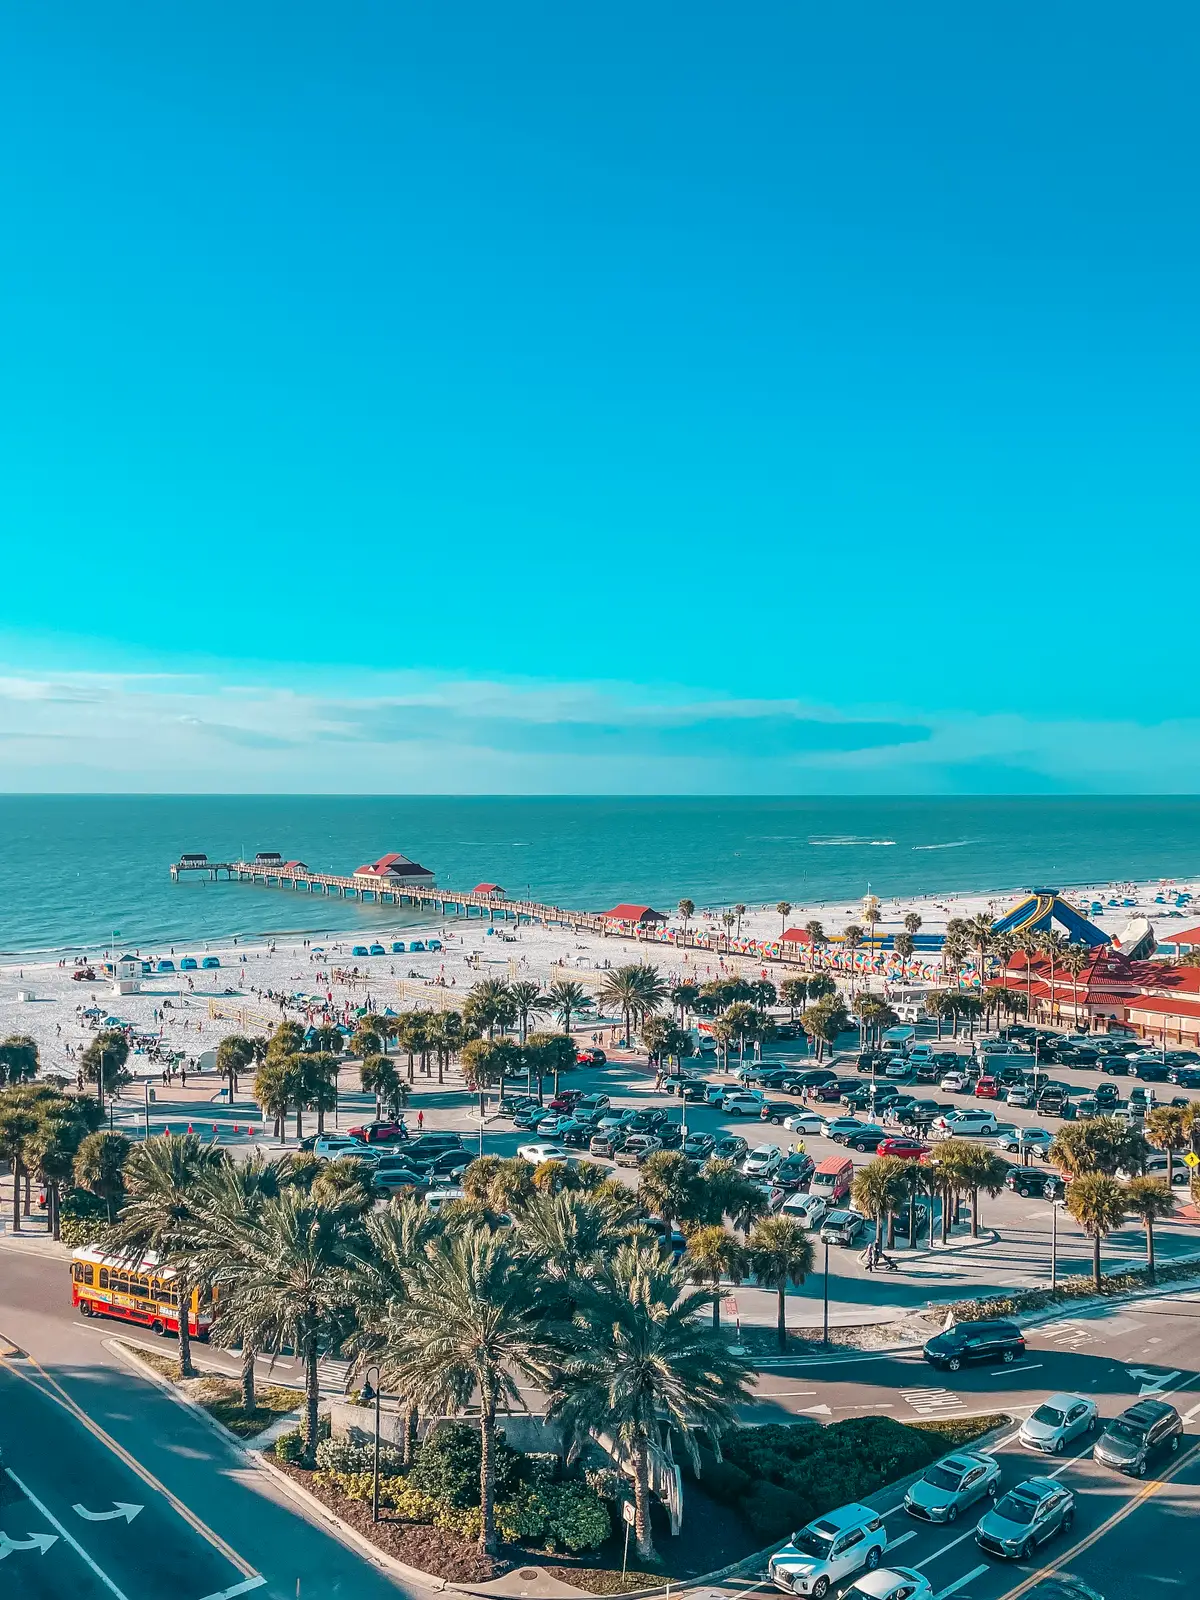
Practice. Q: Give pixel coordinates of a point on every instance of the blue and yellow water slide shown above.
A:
(1041, 908)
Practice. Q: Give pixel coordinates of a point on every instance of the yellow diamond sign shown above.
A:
(1192, 1159)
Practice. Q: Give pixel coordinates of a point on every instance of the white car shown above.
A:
(1060, 1419)
(972, 1119)
(890, 1583)
(899, 1068)
(806, 1209)
(954, 1082)
(763, 1161)
(1020, 1139)
(437, 1198)
(830, 1549)
(543, 1151)
(743, 1103)
(840, 1127)
(805, 1122)
(329, 1146)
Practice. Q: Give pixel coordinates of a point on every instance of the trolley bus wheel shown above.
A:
(158, 1327)
(85, 1309)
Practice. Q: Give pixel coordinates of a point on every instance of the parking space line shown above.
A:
(1029, 1366)
(903, 1539)
(959, 1583)
(69, 1537)
(970, 1534)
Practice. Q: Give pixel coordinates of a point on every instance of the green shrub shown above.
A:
(290, 1445)
(724, 1480)
(773, 1513)
(447, 1465)
(567, 1516)
(349, 1455)
(953, 1433)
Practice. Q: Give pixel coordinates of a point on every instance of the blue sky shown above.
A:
(777, 398)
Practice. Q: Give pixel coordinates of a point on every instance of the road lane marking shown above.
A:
(70, 1538)
(970, 1534)
(40, 1542)
(61, 1398)
(123, 1509)
(926, 1400)
(903, 1539)
(959, 1583)
(1026, 1366)
(239, 1588)
(1090, 1539)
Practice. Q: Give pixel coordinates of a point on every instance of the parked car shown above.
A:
(446, 1167)
(699, 1146)
(841, 1128)
(543, 1150)
(531, 1116)
(591, 1103)
(742, 1103)
(1149, 1071)
(763, 1161)
(775, 1111)
(329, 1146)
(902, 1147)
(809, 1210)
(592, 1056)
(1057, 1422)
(890, 1583)
(576, 1131)
(804, 1122)
(551, 1127)
(389, 1179)
(830, 1549)
(975, 1341)
(954, 1083)
(730, 1148)
(971, 1120)
(1022, 1139)
(795, 1171)
(637, 1148)
(606, 1144)
(566, 1099)
(987, 1088)
(389, 1130)
(951, 1485)
(842, 1227)
(1028, 1515)
(1149, 1429)
(898, 1067)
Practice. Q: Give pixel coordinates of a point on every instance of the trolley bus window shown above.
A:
(104, 1277)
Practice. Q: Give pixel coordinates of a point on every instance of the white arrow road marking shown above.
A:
(256, 1582)
(69, 1537)
(819, 1411)
(123, 1509)
(36, 1541)
(1152, 1382)
(961, 1583)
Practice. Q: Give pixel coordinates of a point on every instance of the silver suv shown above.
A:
(830, 1549)
(1027, 1516)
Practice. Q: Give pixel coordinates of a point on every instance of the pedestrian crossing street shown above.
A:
(932, 1402)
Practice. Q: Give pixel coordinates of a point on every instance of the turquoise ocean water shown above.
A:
(73, 868)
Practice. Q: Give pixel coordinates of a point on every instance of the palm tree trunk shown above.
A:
(55, 1220)
(299, 1120)
(716, 1304)
(974, 1213)
(643, 1532)
(945, 1198)
(249, 1400)
(183, 1308)
(312, 1399)
(1096, 1262)
(16, 1221)
(912, 1219)
(1150, 1246)
(487, 1475)
(781, 1318)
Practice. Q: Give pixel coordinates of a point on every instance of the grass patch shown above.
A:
(222, 1397)
(953, 1433)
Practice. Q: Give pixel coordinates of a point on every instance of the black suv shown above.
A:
(975, 1341)
(1129, 1441)
(1026, 1180)
(794, 1173)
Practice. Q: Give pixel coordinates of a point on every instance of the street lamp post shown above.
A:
(375, 1394)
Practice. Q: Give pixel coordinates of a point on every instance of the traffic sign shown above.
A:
(1191, 1159)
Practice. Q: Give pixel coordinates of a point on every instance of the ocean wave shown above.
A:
(953, 844)
(883, 841)
(841, 840)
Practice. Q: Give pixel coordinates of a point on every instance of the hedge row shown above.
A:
(781, 1476)
(1074, 1288)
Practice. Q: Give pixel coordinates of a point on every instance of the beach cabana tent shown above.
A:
(643, 916)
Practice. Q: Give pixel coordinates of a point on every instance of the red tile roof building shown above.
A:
(395, 868)
(643, 915)
(1153, 998)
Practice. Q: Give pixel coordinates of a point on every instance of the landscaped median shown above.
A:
(1026, 1302)
(769, 1481)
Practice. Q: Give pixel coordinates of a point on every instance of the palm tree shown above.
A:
(230, 1200)
(447, 1035)
(635, 990)
(637, 1359)
(878, 1190)
(1151, 1201)
(163, 1180)
(684, 996)
(1029, 944)
(297, 1273)
(979, 932)
(1073, 960)
(687, 911)
(713, 1255)
(470, 1326)
(670, 1186)
(1052, 946)
(728, 919)
(912, 923)
(527, 998)
(378, 1076)
(739, 912)
(872, 916)
(100, 1167)
(412, 1034)
(234, 1055)
(779, 1252)
(51, 1150)
(784, 908)
(852, 937)
(567, 1235)
(904, 946)
(1169, 1128)
(567, 999)
(816, 933)
(1098, 1145)
(1098, 1203)
(273, 1091)
(981, 1168)
(18, 1059)
(18, 1121)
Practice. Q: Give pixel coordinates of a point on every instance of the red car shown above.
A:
(590, 1058)
(379, 1132)
(566, 1100)
(906, 1149)
(987, 1089)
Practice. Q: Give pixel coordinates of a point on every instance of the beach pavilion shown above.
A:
(395, 871)
(636, 916)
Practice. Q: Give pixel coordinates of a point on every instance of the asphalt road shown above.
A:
(81, 1434)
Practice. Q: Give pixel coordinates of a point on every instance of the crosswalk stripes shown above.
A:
(929, 1401)
(1069, 1331)
(333, 1374)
